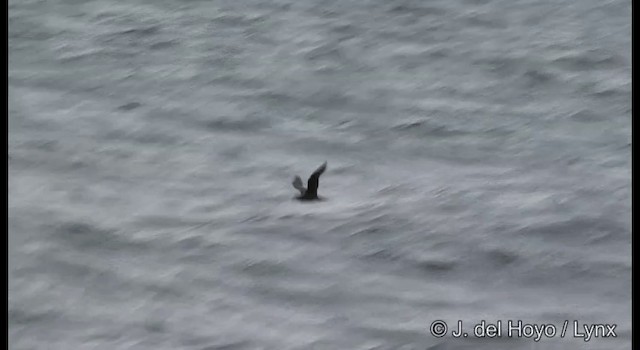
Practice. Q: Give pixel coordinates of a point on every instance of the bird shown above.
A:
(311, 192)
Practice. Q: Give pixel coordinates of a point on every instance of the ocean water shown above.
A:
(479, 160)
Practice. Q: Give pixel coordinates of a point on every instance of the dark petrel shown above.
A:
(311, 192)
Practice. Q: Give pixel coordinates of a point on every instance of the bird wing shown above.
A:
(312, 184)
(297, 183)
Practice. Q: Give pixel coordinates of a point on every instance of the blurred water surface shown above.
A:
(479, 168)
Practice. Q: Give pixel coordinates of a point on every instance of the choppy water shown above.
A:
(479, 168)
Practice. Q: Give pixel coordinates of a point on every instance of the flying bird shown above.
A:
(311, 192)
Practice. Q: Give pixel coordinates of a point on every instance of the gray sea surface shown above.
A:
(479, 168)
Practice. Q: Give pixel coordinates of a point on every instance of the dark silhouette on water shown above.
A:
(311, 192)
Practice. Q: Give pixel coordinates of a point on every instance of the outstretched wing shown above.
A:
(312, 184)
(297, 183)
